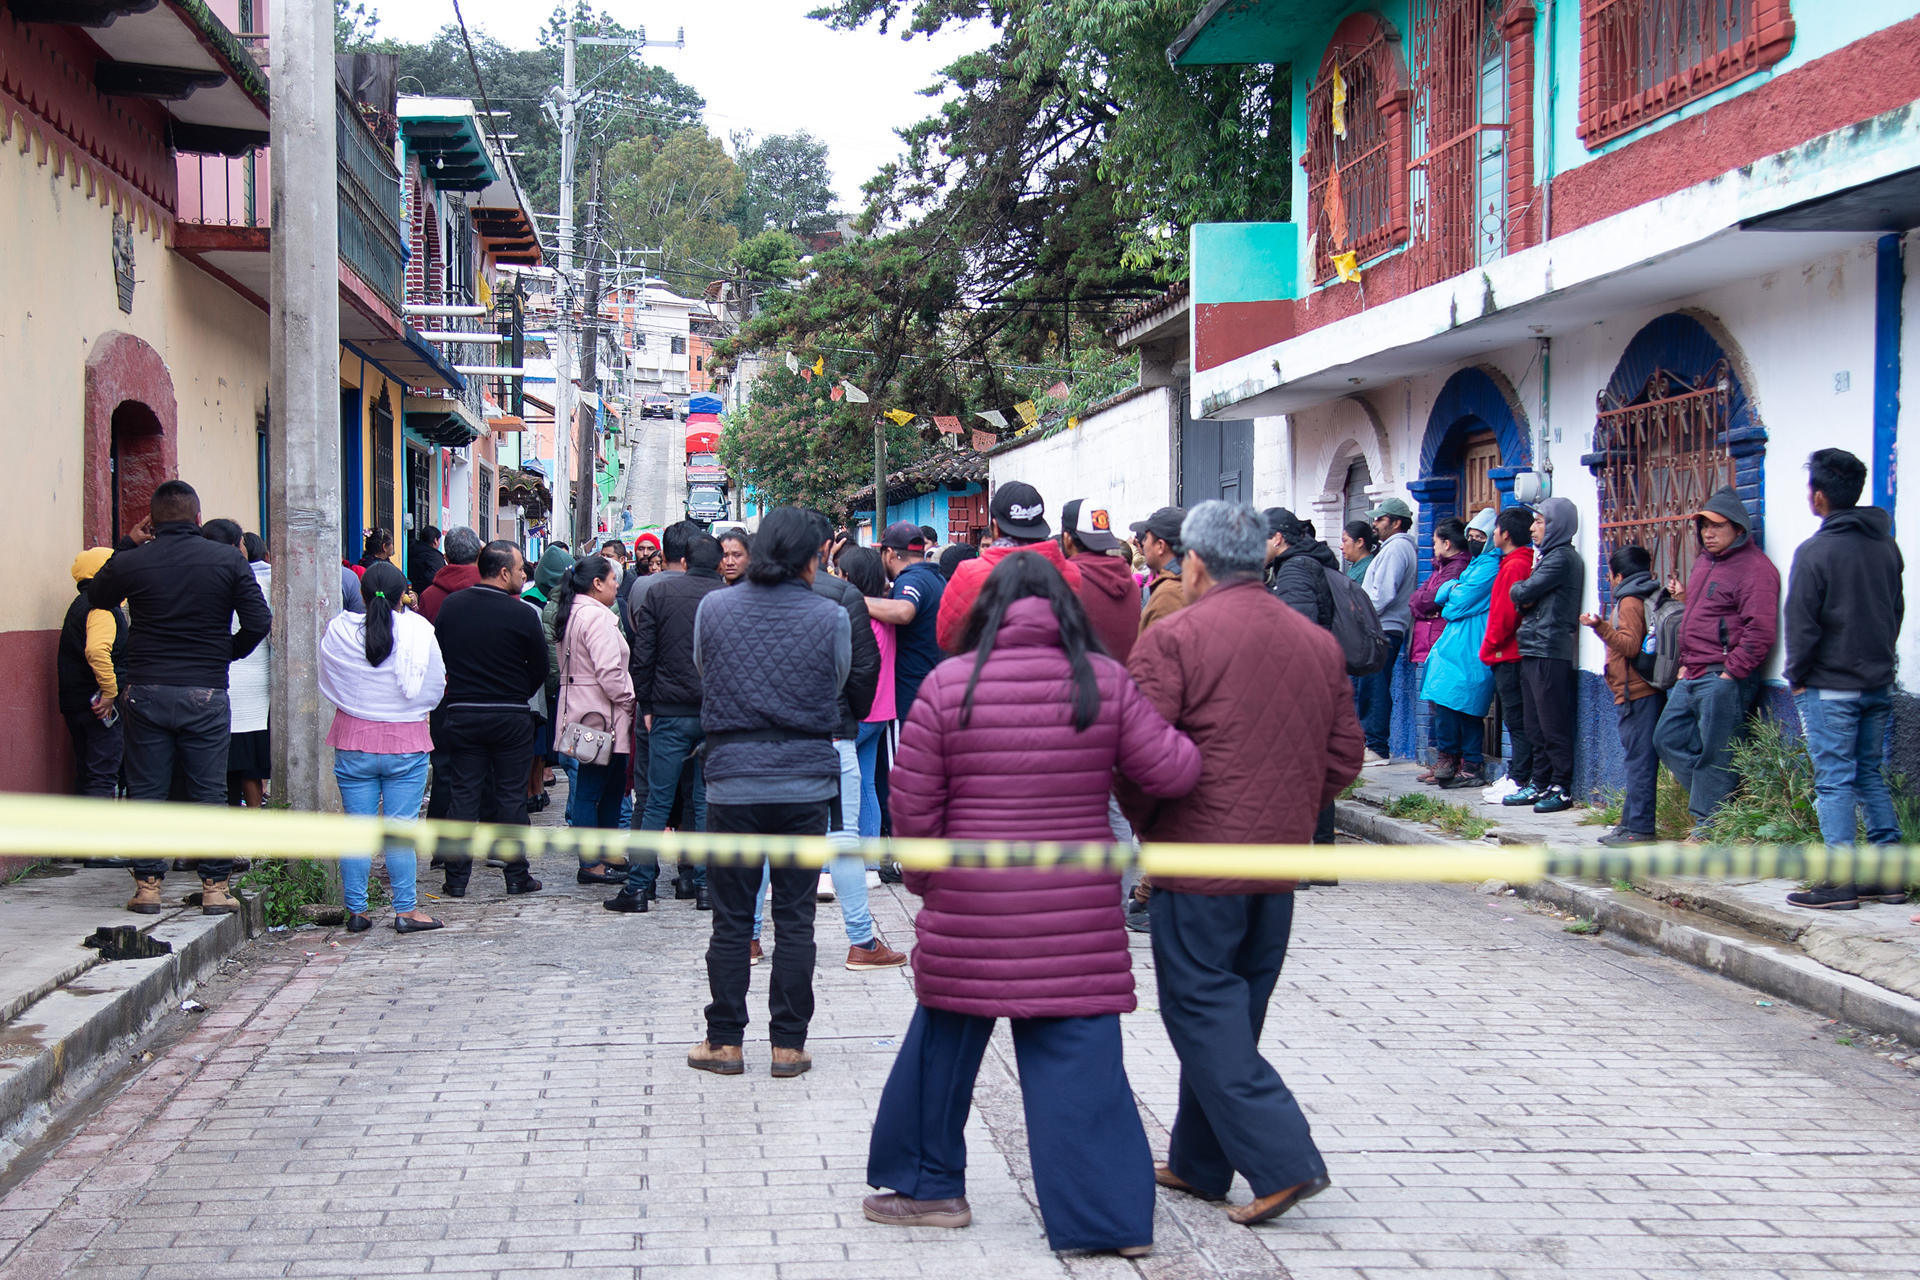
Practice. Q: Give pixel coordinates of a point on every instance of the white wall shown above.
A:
(1119, 458)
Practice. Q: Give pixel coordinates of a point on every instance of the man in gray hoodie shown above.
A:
(1390, 582)
(1549, 604)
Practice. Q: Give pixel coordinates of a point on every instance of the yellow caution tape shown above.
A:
(49, 826)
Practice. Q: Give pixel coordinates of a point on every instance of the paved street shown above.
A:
(1495, 1097)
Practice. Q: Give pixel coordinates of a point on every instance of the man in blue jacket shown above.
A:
(1845, 604)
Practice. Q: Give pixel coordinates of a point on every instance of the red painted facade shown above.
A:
(37, 758)
(1618, 93)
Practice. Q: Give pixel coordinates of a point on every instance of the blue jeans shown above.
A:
(1374, 699)
(373, 783)
(1695, 738)
(1458, 734)
(669, 743)
(867, 748)
(594, 800)
(1847, 738)
(848, 870)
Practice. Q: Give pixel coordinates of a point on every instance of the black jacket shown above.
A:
(1549, 597)
(183, 593)
(1298, 577)
(495, 652)
(77, 682)
(664, 679)
(423, 562)
(863, 677)
(1845, 603)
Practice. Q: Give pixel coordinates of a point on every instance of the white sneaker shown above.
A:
(1373, 758)
(1499, 791)
(825, 892)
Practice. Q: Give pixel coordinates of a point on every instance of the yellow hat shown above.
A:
(88, 562)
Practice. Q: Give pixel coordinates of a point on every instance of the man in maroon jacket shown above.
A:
(1263, 693)
(1107, 590)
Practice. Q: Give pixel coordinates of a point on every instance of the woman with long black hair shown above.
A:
(383, 673)
(1018, 739)
(596, 689)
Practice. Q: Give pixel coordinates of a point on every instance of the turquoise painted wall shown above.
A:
(1246, 261)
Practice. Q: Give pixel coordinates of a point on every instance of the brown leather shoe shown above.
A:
(788, 1063)
(146, 896)
(1166, 1177)
(875, 955)
(898, 1211)
(721, 1059)
(1279, 1202)
(215, 900)
(754, 954)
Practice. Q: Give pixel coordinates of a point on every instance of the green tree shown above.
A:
(676, 194)
(771, 256)
(354, 25)
(789, 183)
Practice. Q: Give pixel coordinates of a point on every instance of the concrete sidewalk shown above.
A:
(65, 1014)
(1861, 966)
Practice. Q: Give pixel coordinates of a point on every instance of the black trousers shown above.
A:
(1092, 1167)
(1216, 960)
(488, 754)
(1551, 709)
(97, 749)
(173, 725)
(732, 891)
(1638, 720)
(1507, 685)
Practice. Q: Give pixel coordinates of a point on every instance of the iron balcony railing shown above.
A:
(371, 242)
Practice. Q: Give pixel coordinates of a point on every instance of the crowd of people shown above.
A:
(1045, 685)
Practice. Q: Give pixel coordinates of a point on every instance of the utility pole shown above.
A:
(879, 476)
(304, 392)
(563, 411)
(587, 436)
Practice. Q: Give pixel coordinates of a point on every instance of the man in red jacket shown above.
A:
(457, 574)
(1016, 521)
(1107, 590)
(1263, 693)
(1513, 534)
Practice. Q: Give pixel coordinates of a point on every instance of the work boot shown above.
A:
(215, 900)
(1445, 768)
(721, 1059)
(146, 896)
(788, 1063)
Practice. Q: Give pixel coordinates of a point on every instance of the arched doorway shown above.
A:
(130, 440)
(1675, 423)
(1476, 442)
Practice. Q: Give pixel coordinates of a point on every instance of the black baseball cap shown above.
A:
(1163, 524)
(903, 535)
(1283, 522)
(1092, 527)
(1020, 511)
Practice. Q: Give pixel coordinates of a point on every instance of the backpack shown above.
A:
(1356, 626)
(1658, 662)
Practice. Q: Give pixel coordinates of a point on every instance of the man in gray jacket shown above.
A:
(1390, 581)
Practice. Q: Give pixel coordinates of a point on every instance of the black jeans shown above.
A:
(1550, 717)
(488, 753)
(1638, 720)
(174, 725)
(1216, 960)
(1513, 717)
(732, 890)
(97, 749)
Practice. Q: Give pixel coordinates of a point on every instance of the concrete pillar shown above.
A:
(305, 327)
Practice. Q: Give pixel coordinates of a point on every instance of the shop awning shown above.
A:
(447, 423)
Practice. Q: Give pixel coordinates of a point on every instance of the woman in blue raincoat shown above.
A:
(1458, 684)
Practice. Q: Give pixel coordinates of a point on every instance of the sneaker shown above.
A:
(1499, 791)
(1826, 897)
(1525, 796)
(754, 954)
(1553, 800)
(875, 955)
(1620, 837)
(824, 893)
(1373, 758)
(1139, 922)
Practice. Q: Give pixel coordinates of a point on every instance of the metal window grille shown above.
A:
(1458, 178)
(1665, 454)
(1643, 58)
(384, 514)
(1350, 181)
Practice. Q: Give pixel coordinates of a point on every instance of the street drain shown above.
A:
(126, 942)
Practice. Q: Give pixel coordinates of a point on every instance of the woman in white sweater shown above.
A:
(382, 671)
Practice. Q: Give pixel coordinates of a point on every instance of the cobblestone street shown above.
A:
(1495, 1097)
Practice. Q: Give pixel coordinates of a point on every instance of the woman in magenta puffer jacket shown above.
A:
(1018, 739)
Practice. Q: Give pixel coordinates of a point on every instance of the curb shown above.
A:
(1761, 963)
(55, 1047)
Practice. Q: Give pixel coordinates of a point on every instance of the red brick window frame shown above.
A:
(1640, 59)
(1357, 183)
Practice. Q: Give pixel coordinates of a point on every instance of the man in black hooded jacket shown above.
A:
(1297, 564)
(1845, 604)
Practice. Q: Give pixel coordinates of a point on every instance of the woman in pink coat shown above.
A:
(1018, 739)
(596, 689)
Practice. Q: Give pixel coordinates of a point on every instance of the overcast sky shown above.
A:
(760, 64)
